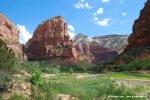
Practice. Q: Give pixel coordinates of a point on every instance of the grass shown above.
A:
(127, 75)
(89, 88)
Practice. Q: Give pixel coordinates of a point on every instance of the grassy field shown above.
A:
(126, 75)
(101, 87)
(98, 88)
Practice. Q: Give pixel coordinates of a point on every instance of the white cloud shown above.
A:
(87, 5)
(121, 2)
(71, 31)
(105, 1)
(24, 34)
(71, 34)
(103, 22)
(99, 11)
(71, 27)
(124, 21)
(95, 18)
(124, 14)
(82, 4)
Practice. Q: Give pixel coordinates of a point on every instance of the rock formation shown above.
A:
(113, 42)
(141, 29)
(97, 49)
(51, 40)
(10, 35)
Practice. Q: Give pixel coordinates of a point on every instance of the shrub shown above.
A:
(6, 65)
(71, 70)
(6, 58)
(42, 92)
(35, 78)
(17, 97)
(5, 79)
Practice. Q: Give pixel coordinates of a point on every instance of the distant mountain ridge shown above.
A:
(100, 47)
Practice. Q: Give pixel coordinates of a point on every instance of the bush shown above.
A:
(7, 57)
(5, 79)
(35, 78)
(71, 70)
(42, 92)
(17, 97)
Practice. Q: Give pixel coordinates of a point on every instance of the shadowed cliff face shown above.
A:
(141, 29)
(10, 35)
(51, 40)
(100, 48)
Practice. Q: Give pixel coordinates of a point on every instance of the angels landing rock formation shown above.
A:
(51, 40)
(141, 29)
(10, 35)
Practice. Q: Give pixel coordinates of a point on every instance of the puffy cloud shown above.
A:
(121, 2)
(24, 34)
(71, 27)
(71, 34)
(71, 31)
(105, 1)
(124, 21)
(124, 14)
(99, 11)
(87, 5)
(103, 22)
(82, 4)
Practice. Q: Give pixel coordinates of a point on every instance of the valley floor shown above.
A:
(82, 86)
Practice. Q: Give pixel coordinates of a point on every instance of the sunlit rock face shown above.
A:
(10, 35)
(141, 29)
(51, 40)
(99, 48)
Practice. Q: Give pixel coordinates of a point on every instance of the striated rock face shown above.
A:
(141, 29)
(10, 35)
(51, 40)
(113, 42)
(92, 50)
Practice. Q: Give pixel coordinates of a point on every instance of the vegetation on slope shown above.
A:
(6, 65)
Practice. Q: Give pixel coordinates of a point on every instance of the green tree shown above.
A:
(6, 57)
(6, 65)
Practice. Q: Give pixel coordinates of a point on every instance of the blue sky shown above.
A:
(90, 17)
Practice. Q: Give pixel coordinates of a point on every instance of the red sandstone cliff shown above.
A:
(51, 40)
(10, 35)
(141, 29)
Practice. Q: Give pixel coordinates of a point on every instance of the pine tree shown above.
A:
(7, 58)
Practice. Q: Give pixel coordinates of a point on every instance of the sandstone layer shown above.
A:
(141, 29)
(10, 35)
(98, 49)
(51, 40)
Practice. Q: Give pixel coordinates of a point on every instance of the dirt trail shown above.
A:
(132, 82)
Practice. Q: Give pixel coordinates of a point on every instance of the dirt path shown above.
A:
(132, 82)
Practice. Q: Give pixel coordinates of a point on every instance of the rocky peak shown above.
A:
(10, 35)
(81, 38)
(141, 29)
(8, 31)
(51, 40)
(91, 50)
